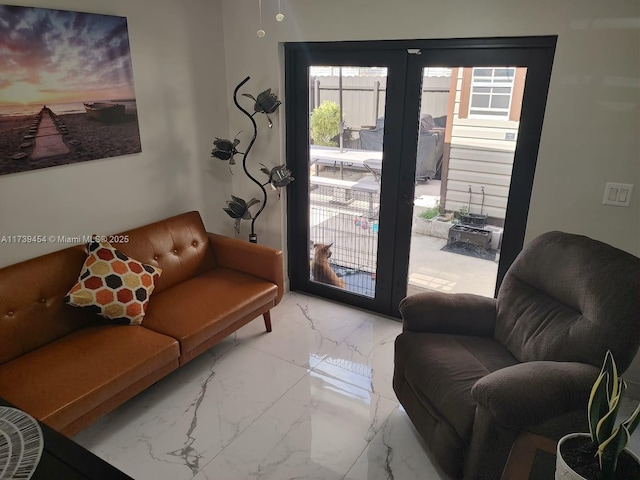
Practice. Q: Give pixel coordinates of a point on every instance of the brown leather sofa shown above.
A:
(67, 367)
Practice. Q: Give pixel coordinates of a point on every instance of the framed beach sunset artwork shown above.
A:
(66, 88)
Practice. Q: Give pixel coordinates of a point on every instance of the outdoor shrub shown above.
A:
(325, 123)
(431, 212)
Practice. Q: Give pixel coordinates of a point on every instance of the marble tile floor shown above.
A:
(311, 400)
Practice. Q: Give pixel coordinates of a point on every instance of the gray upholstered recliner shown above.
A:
(474, 372)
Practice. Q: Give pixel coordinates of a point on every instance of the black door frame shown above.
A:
(403, 89)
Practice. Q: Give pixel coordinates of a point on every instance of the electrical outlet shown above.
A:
(618, 194)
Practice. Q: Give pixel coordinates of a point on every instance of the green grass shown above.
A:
(429, 213)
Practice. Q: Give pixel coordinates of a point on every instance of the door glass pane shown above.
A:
(346, 118)
(463, 173)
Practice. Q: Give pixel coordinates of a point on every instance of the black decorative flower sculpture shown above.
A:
(239, 209)
(225, 149)
(279, 177)
(266, 103)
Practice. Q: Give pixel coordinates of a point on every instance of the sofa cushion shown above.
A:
(197, 309)
(441, 369)
(32, 311)
(114, 285)
(178, 245)
(84, 370)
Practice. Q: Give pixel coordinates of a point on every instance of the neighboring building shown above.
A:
(480, 139)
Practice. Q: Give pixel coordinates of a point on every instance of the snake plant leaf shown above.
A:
(598, 405)
(613, 384)
(607, 423)
(610, 449)
(632, 422)
(605, 388)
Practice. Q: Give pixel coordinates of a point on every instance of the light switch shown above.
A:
(618, 194)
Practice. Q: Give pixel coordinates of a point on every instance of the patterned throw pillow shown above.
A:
(113, 285)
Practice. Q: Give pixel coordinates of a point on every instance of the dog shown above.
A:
(322, 271)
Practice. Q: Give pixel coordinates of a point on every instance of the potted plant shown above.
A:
(601, 453)
(429, 221)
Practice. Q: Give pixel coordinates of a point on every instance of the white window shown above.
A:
(491, 90)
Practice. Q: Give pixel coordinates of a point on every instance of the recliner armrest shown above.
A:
(450, 313)
(530, 393)
(251, 258)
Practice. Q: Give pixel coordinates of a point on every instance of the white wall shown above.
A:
(591, 126)
(178, 62)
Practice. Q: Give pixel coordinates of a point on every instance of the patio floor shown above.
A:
(432, 269)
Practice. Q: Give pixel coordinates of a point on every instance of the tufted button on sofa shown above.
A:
(67, 366)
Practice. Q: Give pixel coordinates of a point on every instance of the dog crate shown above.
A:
(347, 217)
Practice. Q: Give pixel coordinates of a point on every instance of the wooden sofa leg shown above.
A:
(267, 320)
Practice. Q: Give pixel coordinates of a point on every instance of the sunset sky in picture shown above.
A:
(57, 56)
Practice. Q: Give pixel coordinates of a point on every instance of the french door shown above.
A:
(358, 163)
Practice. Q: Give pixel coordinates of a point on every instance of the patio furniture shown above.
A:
(350, 158)
(474, 372)
(430, 146)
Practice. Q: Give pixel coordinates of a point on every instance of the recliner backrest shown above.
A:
(568, 297)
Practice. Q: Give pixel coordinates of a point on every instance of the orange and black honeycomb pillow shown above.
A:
(114, 285)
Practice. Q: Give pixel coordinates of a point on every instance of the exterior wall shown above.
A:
(435, 95)
(480, 156)
(359, 97)
(359, 104)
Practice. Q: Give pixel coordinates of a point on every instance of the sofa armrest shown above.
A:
(251, 258)
(530, 393)
(451, 313)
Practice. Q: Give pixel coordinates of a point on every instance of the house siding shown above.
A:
(481, 156)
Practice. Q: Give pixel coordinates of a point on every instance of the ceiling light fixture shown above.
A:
(261, 33)
(279, 17)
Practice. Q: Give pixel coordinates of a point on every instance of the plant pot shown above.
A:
(564, 471)
(435, 227)
(473, 219)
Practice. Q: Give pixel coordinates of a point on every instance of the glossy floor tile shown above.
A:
(311, 400)
(316, 430)
(174, 428)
